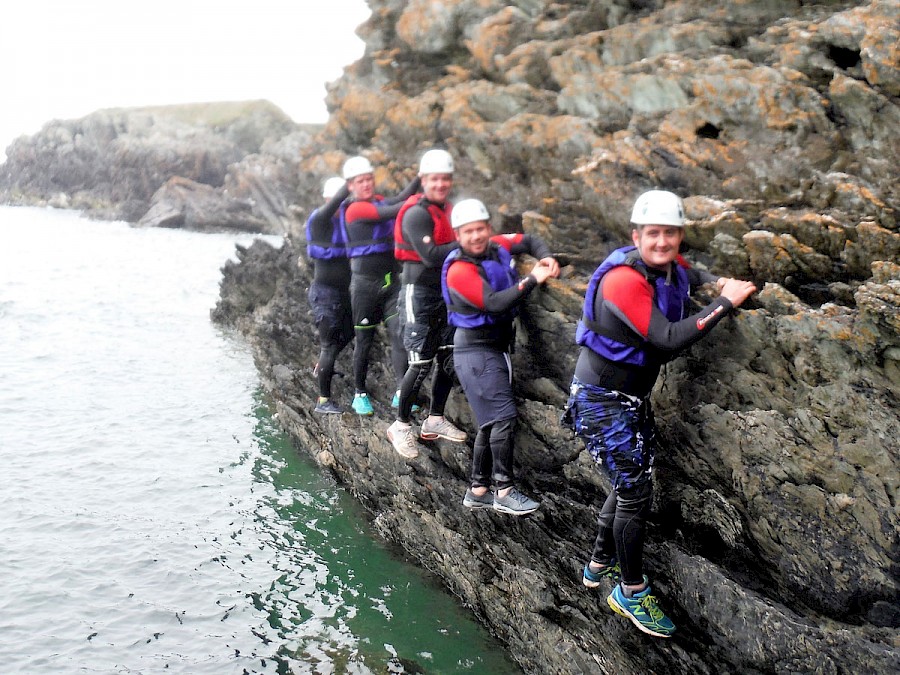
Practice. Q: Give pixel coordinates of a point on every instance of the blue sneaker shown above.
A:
(395, 402)
(362, 405)
(611, 570)
(642, 610)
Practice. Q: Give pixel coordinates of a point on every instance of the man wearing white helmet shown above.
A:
(329, 292)
(422, 239)
(368, 220)
(636, 318)
(483, 292)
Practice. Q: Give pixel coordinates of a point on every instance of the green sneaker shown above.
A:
(642, 610)
(362, 405)
(592, 578)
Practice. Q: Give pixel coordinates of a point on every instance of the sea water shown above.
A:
(153, 517)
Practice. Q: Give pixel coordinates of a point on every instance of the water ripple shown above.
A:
(151, 516)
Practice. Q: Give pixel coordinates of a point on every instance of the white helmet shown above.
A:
(332, 186)
(436, 161)
(357, 166)
(468, 211)
(658, 207)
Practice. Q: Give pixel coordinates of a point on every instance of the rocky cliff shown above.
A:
(774, 538)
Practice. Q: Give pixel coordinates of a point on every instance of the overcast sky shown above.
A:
(64, 59)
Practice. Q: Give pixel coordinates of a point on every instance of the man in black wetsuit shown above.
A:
(368, 220)
(483, 293)
(636, 318)
(329, 292)
(423, 238)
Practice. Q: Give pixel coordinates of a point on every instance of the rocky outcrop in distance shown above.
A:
(204, 166)
(773, 541)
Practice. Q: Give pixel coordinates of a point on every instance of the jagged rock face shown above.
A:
(774, 534)
(572, 109)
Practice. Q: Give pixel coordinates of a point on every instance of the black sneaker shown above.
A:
(515, 503)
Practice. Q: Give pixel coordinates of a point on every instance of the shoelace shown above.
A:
(649, 603)
(406, 437)
(518, 497)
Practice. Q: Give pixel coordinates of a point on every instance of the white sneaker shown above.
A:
(441, 428)
(403, 439)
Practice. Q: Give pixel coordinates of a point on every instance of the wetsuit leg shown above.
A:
(331, 311)
(364, 339)
(327, 357)
(414, 305)
(632, 509)
(365, 296)
(605, 544)
(481, 458)
(442, 383)
(399, 360)
(502, 433)
(410, 386)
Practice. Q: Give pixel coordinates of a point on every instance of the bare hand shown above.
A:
(541, 272)
(737, 291)
(551, 263)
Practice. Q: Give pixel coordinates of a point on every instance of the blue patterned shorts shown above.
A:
(618, 431)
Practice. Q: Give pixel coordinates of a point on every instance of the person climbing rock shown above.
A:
(636, 318)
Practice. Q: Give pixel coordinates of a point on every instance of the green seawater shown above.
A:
(384, 613)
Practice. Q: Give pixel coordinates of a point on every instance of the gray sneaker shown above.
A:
(515, 503)
(473, 501)
(403, 439)
(328, 407)
(442, 428)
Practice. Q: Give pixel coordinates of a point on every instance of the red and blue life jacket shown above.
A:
(381, 239)
(498, 269)
(624, 345)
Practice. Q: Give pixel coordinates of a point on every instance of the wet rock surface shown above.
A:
(772, 543)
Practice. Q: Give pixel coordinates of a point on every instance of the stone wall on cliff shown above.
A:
(774, 535)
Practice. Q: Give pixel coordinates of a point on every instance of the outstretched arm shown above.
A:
(467, 287)
(628, 296)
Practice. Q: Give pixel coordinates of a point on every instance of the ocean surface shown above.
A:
(153, 517)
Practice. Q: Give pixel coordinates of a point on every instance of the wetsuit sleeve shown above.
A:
(367, 212)
(531, 244)
(468, 287)
(408, 192)
(320, 224)
(418, 230)
(629, 297)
